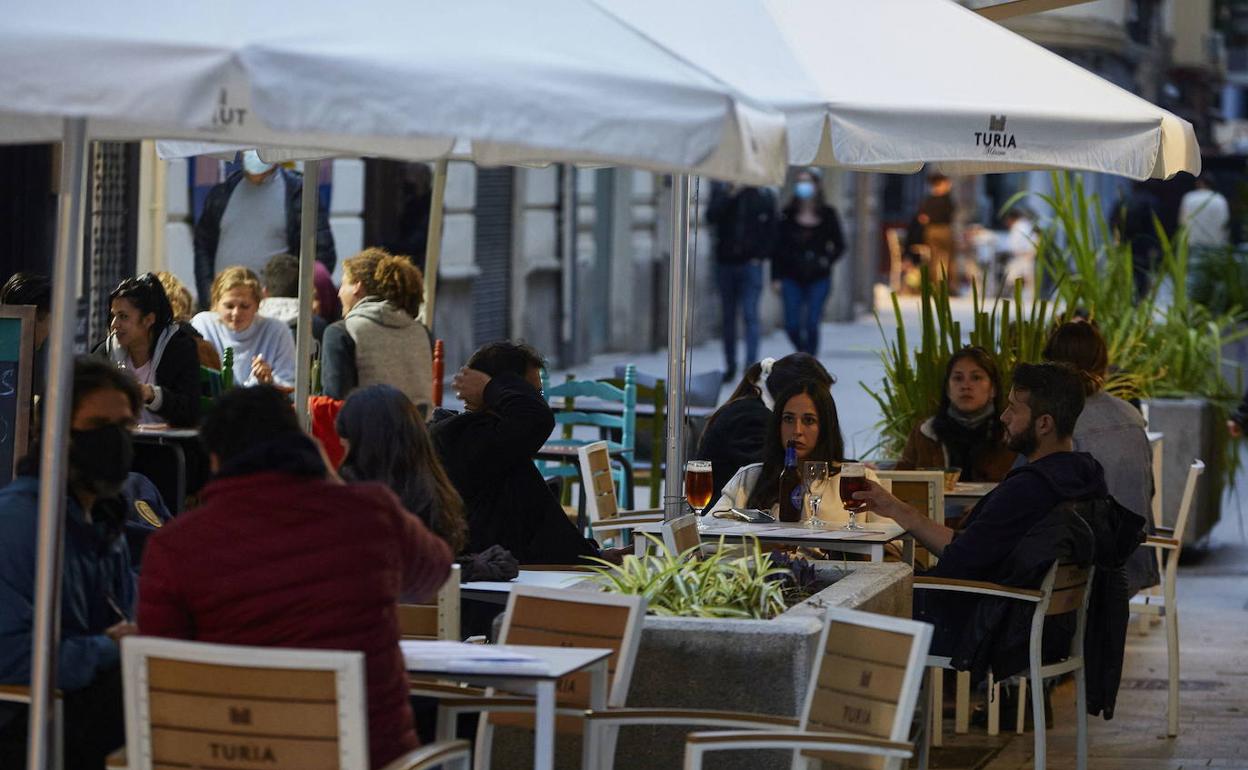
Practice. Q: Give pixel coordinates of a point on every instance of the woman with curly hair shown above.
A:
(379, 340)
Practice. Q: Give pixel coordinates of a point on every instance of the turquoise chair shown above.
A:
(567, 415)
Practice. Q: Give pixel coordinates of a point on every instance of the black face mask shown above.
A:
(100, 458)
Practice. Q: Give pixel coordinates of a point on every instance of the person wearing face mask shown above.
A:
(160, 354)
(264, 350)
(251, 216)
(810, 241)
(97, 584)
(966, 431)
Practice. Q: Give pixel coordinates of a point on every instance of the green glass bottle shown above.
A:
(227, 369)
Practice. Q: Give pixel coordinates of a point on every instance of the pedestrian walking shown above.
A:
(936, 214)
(744, 219)
(810, 241)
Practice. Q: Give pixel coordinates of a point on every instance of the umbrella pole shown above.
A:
(307, 285)
(53, 448)
(433, 242)
(677, 347)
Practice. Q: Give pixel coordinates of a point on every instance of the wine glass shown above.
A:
(814, 475)
(853, 479)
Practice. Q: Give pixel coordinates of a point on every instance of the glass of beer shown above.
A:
(853, 479)
(699, 484)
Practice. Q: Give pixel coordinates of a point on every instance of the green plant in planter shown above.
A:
(718, 586)
(1219, 280)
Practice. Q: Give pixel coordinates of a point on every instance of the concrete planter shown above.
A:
(760, 666)
(1191, 428)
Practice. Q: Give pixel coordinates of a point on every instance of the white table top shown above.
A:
(496, 660)
(160, 430)
(872, 531)
(971, 489)
(1154, 436)
(545, 578)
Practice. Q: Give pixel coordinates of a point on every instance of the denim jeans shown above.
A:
(803, 308)
(740, 287)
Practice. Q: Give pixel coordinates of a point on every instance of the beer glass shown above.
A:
(853, 479)
(699, 484)
(814, 474)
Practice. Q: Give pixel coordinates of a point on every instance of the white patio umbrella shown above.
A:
(894, 85)
(555, 81)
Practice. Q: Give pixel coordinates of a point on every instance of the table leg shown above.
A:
(596, 744)
(544, 737)
(877, 552)
(180, 457)
(639, 545)
(907, 549)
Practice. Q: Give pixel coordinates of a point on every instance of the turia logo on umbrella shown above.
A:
(995, 140)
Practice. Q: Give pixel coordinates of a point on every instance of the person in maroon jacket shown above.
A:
(281, 553)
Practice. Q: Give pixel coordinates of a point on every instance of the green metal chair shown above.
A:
(601, 416)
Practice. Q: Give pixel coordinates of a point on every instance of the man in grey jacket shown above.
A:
(1112, 431)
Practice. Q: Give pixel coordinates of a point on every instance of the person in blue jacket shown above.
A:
(97, 584)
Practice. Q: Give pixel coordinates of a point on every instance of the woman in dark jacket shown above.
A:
(809, 243)
(734, 435)
(146, 342)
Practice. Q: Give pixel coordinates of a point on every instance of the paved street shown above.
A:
(1213, 594)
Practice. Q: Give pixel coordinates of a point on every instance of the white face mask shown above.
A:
(253, 165)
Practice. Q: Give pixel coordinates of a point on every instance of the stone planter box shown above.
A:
(758, 666)
(1191, 428)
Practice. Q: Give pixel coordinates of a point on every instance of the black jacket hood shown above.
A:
(1072, 475)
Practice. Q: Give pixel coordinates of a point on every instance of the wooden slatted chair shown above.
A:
(559, 618)
(1168, 543)
(439, 620)
(570, 417)
(681, 534)
(925, 491)
(605, 517)
(859, 706)
(20, 693)
(1065, 589)
(193, 704)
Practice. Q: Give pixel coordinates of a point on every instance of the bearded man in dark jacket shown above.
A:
(488, 452)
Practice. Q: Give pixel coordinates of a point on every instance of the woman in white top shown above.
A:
(264, 350)
(806, 415)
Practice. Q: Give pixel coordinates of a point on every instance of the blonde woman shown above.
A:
(264, 352)
(379, 341)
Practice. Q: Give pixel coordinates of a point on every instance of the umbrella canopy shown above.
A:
(565, 81)
(891, 85)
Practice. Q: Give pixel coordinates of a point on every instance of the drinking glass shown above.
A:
(853, 479)
(814, 474)
(699, 484)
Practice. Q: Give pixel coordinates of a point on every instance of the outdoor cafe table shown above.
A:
(869, 540)
(516, 668)
(171, 439)
(496, 591)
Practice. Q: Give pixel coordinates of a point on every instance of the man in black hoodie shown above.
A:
(1043, 406)
(488, 452)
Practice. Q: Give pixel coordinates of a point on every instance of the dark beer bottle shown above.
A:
(790, 487)
(227, 369)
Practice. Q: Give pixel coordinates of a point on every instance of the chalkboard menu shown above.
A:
(17, 353)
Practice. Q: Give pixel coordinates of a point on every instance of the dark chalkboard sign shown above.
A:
(17, 354)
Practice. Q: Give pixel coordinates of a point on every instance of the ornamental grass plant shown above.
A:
(717, 586)
(1156, 349)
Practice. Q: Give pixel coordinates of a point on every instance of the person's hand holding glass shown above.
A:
(814, 476)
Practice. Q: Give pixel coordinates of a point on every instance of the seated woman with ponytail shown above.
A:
(805, 414)
(379, 341)
(734, 435)
(146, 342)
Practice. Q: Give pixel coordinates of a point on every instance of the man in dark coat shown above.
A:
(745, 221)
(246, 225)
(488, 453)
